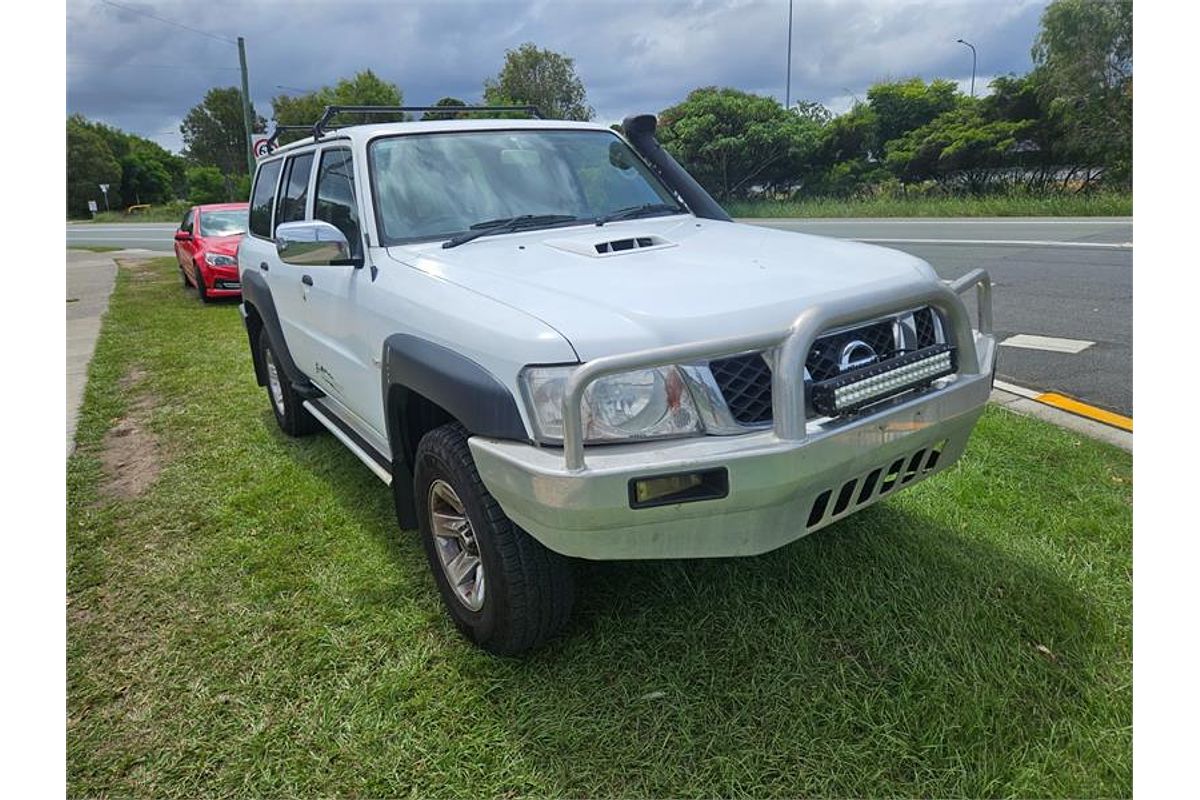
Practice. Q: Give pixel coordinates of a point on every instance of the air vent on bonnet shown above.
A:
(620, 245)
(598, 247)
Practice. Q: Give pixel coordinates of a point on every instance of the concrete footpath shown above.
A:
(90, 278)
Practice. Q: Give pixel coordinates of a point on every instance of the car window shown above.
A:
(263, 199)
(186, 225)
(335, 201)
(294, 197)
(223, 222)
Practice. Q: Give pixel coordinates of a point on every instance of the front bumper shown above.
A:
(783, 483)
(222, 281)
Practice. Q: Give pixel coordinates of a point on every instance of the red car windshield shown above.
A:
(223, 223)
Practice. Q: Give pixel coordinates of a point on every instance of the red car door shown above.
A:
(185, 244)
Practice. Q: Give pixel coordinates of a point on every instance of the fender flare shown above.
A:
(256, 294)
(460, 386)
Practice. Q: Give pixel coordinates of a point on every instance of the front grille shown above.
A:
(745, 380)
(825, 358)
(745, 383)
(926, 328)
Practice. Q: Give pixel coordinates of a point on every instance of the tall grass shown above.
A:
(1100, 204)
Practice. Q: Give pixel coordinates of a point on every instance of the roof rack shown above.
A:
(318, 129)
(273, 139)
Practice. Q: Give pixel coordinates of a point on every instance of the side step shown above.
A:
(354, 443)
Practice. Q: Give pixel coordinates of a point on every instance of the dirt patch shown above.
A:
(140, 269)
(130, 455)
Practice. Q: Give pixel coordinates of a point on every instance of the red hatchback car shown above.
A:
(206, 248)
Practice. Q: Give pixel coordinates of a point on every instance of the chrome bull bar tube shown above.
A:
(794, 343)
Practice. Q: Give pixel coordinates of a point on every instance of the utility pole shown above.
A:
(247, 114)
(787, 102)
(968, 44)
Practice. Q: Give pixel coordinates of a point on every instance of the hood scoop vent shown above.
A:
(606, 248)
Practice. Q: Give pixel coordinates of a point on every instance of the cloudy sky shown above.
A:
(142, 74)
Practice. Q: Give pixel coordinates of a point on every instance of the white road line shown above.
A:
(1050, 344)
(1009, 242)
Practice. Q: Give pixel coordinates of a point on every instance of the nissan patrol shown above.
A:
(553, 344)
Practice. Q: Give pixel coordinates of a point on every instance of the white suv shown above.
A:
(553, 344)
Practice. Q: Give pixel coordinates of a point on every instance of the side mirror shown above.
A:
(182, 236)
(313, 243)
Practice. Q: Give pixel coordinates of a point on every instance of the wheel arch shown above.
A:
(425, 386)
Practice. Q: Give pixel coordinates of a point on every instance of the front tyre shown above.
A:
(201, 289)
(290, 413)
(503, 589)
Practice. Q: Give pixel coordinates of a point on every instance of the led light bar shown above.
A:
(861, 387)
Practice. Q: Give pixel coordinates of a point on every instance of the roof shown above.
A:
(363, 132)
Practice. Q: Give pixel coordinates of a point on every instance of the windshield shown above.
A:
(434, 186)
(223, 223)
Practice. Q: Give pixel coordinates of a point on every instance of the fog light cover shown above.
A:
(682, 487)
(861, 387)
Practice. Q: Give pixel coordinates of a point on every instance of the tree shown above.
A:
(732, 141)
(902, 106)
(206, 185)
(543, 78)
(957, 146)
(364, 89)
(445, 102)
(90, 162)
(214, 132)
(1084, 69)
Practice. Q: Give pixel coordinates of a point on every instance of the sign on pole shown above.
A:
(93, 207)
(260, 147)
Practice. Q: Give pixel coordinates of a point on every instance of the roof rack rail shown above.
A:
(318, 129)
(273, 139)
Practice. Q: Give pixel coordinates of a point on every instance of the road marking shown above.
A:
(1084, 410)
(1050, 344)
(1068, 404)
(1004, 242)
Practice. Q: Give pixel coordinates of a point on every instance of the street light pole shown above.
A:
(787, 102)
(247, 114)
(968, 44)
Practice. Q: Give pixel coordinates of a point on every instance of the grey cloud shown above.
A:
(142, 75)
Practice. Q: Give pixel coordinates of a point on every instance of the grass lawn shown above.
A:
(166, 212)
(1101, 204)
(246, 619)
(95, 248)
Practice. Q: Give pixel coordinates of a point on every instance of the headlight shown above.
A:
(214, 260)
(642, 404)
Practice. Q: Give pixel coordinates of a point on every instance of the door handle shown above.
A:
(307, 280)
(264, 266)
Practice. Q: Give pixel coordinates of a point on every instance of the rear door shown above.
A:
(290, 283)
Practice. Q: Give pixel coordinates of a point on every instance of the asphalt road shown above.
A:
(1059, 277)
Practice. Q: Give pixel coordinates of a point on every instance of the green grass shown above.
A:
(1101, 204)
(256, 625)
(95, 248)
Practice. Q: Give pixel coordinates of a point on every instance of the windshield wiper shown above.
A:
(505, 224)
(645, 209)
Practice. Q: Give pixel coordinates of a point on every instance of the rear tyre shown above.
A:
(288, 405)
(504, 590)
